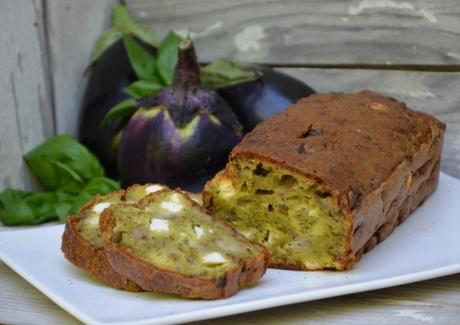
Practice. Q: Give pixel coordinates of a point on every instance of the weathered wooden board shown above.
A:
(26, 305)
(73, 27)
(313, 32)
(26, 113)
(413, 304)
(432, 92)
(433, 302)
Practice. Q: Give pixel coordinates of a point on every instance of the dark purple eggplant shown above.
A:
(257, 100)
(181, 136)
(110, 72)
(109, 76)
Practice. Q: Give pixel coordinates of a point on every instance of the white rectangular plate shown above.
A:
(424, 247)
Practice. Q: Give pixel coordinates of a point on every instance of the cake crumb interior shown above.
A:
(293, 217)
(173, 235)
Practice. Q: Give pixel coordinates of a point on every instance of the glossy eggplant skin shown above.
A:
(181, 136)
(109, 75)
(255, 101)
(152, 150)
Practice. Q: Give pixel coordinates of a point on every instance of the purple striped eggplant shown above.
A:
(181, 136)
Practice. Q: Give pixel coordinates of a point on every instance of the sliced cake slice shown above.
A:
(168, 243)
(82, 241)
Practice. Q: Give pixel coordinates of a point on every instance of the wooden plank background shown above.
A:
(73, 27)
(45, 46)
(333, 32)
(406, 49)
(26, 109)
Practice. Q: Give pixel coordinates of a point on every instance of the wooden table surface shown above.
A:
(409, 50)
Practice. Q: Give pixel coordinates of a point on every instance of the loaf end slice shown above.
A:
(326, 180)
(168, 243)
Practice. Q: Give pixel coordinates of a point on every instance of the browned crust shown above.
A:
(398, 212)
(151, 278)
(375, 197)
(92, 259)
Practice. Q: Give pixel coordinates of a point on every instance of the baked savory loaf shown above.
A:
(168, 243)
(329, 178)
(82, 241)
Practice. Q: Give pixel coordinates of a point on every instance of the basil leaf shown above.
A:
(68, 206)
(22, 208)
(142, 62)
(9, 195)
(224, 73)
(122, 21)
(100, 185)
(167, 57)
(66, 209)
(123, 109)
(64, 166)
(107, 39)
(13, 209)
(63, 163)
(70, 180)
(44, 205)
(142, 88)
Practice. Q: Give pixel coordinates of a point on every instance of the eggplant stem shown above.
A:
(187, 71)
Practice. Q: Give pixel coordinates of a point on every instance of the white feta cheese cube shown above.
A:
(153, 188)
(171, 206)
(198, 231)
(214, 258)
(98, 208)
(159, 225)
